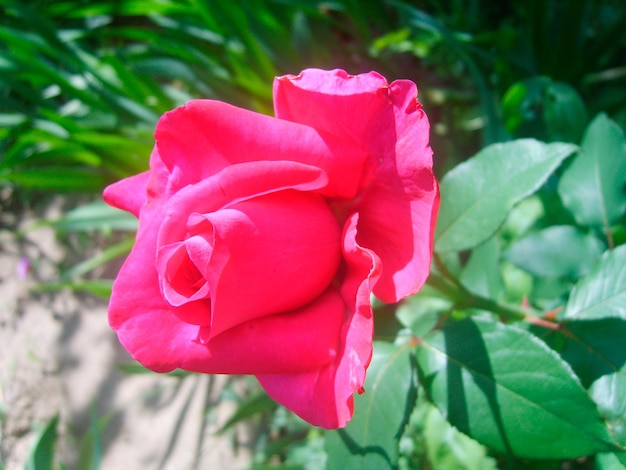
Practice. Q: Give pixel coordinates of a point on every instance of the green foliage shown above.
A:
(592, 187)
(440, 444)
(370, 440)
(42, 454)
(556, 251)
(518, 337)
(539, 107)
(485, 377)
(601, 294)
(477, 195)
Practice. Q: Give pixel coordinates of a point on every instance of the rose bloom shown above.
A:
(261, 239)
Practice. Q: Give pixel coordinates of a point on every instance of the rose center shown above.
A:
(265, 255)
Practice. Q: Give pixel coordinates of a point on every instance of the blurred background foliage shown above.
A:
(83, 83)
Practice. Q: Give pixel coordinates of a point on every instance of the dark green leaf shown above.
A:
(57, 179)
(592, 187)
(564, 114)
(505, 388)
(477, 195)
(370, 441)
(41, 457)
(595, 350)
(601, 294)
(544, 109)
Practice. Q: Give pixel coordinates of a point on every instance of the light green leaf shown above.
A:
(608, 461)
(98, 287)
(477, 195)
(96, 216)
(119, 249)
(481, 274)
(421, 312)
(505, 388)
(601, 294)
(592, 187)
(370, 441)
(449, 449)
(558, 251)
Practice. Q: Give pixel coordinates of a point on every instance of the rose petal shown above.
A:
(234, 184)
(274, 253)
(334, 102)
(182, 266)
(399, 201)
(203, 137)
(397, 222)
(325, 397)
(128, 194)
(161, 341)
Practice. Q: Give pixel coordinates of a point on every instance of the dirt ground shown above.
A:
(58, 356)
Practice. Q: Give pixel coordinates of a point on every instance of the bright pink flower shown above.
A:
(261, 239)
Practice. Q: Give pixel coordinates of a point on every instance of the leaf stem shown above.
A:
(464, 299)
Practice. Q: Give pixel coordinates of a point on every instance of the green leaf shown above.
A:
(522, 218)
(422, 311)
(559, 251)
(98, 287)
(112, 252)
(41, 456)
(608, 461)
(370, 440)
(592, 186)
(447, 448)
(602, 293)
(57, 179)
(477, 195)
(252, 405)
(564, 113)
(505, 388)
(96, 216)
(481, 274)
(595, 350)
(544, 109)
(90, 454)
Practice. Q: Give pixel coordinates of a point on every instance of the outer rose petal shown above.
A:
(400, 197)
(157, 338)
(398, 225)
(201, 138)
(333, 101)
(128, 194)
(325, 397)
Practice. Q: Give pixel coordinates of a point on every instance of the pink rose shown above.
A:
(261, 239)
